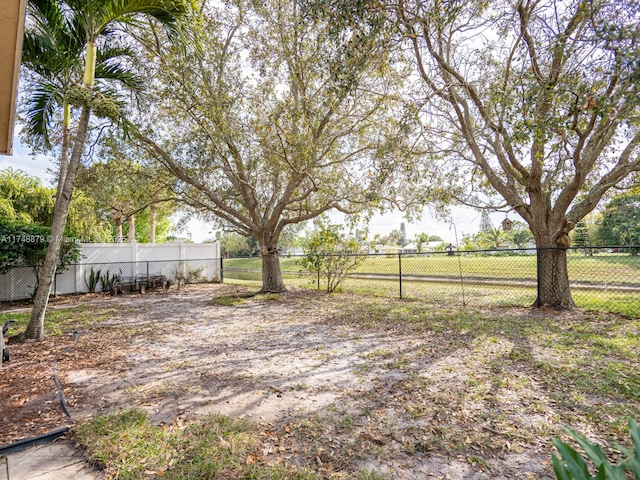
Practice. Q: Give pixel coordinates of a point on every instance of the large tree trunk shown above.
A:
(271, 273)
(35, 329)
(553, 277)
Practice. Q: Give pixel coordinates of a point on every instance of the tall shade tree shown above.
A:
(274, 123)
(138, 189)
(94, 17)
(537, 102)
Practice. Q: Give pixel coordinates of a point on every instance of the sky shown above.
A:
(466, 220)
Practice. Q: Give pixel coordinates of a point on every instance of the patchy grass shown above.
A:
(61, 320)
(229, 300)
(578, 368)
(480, 384)
(128, 446)
(431, 381)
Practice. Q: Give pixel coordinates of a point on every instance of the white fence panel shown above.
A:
(124, 259)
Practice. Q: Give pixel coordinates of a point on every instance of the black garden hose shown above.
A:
(63, 401)
(50, 436)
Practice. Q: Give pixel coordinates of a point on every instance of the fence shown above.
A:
(601, 278)
(199, 261)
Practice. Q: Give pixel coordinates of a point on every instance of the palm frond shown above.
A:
(167, 12)
(107, 52)
(125, 76)
(42, 103)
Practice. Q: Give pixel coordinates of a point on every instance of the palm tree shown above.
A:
(94, 17)
(52, 53)
(493, 238)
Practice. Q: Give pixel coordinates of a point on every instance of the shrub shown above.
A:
(331, 255)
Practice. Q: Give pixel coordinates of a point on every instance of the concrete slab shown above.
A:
(52, 461)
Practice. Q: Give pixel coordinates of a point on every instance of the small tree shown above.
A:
(422, 240)
(234, 245)
(494, 238)
(581, 236)
(520, 234)
(485, 222)
(330, 254)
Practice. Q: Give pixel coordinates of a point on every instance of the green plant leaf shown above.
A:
(614, 472)
(593, 451)
(634, 431)
(574, 461)
(562, 472)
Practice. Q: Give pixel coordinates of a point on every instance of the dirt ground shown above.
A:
(326, 392)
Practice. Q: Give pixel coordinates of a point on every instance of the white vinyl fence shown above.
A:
(202, 260)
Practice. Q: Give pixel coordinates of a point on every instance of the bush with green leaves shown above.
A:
(331, 255)
(26, 245)
(573, 466)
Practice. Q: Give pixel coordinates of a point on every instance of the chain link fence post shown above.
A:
(400, 272)
(538, 281)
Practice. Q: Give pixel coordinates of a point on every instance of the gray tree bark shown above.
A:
(132, 228)
(271, 273)
(152, 223)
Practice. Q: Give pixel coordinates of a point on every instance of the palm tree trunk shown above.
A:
(132, 228)
(64, 156)
(35, 329)
(152, 223)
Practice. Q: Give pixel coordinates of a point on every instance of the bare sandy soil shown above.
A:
(329, 393)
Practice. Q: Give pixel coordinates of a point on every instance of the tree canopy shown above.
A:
(24, 201)
(274, 123)
(621, 221)
(533, 104)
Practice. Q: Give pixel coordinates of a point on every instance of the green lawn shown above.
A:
(605, 268)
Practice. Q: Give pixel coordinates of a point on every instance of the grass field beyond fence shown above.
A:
(600, 281)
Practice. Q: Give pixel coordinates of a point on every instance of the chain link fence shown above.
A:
(20, 282)
(600, 278)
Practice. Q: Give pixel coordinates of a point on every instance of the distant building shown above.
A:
(410, 248)
(385, 249)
